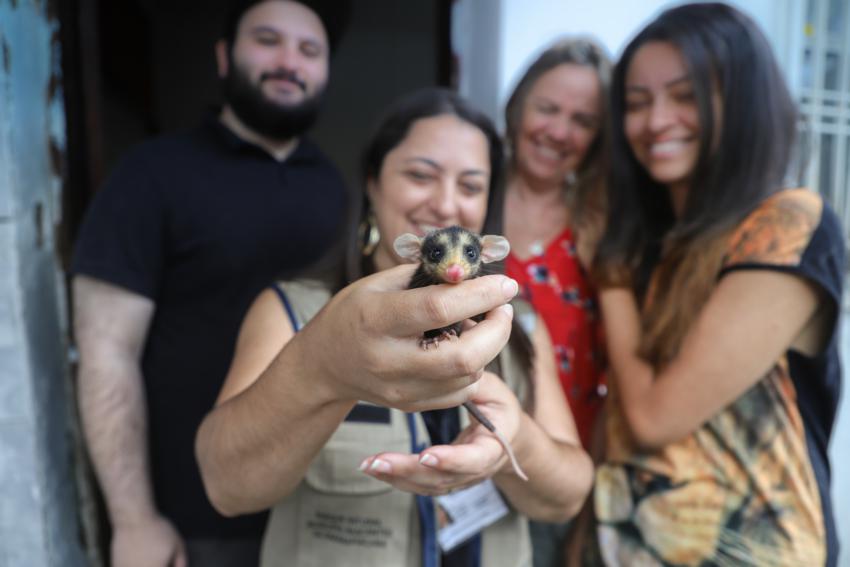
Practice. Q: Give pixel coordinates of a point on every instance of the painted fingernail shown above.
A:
(509, 288)
(508, 309)
(428, 460)
(381, 466)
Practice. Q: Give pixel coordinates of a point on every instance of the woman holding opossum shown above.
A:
(292, 433)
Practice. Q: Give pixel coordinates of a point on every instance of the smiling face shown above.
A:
(281, 49)
(662, 118)
(437, 176)
(559, 122)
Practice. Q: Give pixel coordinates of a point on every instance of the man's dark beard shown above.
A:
(272, 120)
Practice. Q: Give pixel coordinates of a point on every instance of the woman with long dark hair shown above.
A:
(721, 288)
(349, 463)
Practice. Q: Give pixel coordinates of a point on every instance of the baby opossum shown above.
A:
(452, 255)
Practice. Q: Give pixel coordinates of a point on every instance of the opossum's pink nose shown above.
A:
(455, 273)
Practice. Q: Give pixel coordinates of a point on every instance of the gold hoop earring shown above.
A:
(369, 234)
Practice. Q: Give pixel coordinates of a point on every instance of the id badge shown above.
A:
(464, 513)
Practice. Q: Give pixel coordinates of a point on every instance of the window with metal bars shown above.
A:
(824, 98)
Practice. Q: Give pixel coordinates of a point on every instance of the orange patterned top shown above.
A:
(750, 486)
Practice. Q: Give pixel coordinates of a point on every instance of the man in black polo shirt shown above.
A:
(184, 234)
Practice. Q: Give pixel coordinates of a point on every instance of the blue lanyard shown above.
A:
(425, 506)
(288, 306)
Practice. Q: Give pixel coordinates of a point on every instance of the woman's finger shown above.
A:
(418, 310)
(479, 455)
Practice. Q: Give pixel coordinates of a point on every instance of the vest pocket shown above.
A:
(335, 470)
(345, 517)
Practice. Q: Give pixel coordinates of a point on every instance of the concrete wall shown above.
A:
(478, 43)
(389, 49)
(38, 524)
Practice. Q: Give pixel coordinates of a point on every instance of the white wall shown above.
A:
(497, 39)
(521, 29)
(477, 41)
(528, 26)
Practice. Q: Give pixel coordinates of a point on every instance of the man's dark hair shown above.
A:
(334, 15)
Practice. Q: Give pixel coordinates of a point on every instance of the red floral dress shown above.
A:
(555, 283)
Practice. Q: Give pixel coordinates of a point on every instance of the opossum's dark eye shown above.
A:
(471, 253)
(435, 254)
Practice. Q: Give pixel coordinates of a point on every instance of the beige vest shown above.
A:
(338, 516)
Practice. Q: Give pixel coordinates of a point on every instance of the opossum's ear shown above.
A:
(408, 246)
(494, 248)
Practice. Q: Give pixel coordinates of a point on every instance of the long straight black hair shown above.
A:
(744, 152)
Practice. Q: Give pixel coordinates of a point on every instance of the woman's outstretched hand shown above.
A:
(474, 456)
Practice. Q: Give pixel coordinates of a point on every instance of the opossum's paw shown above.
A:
(447, 335)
